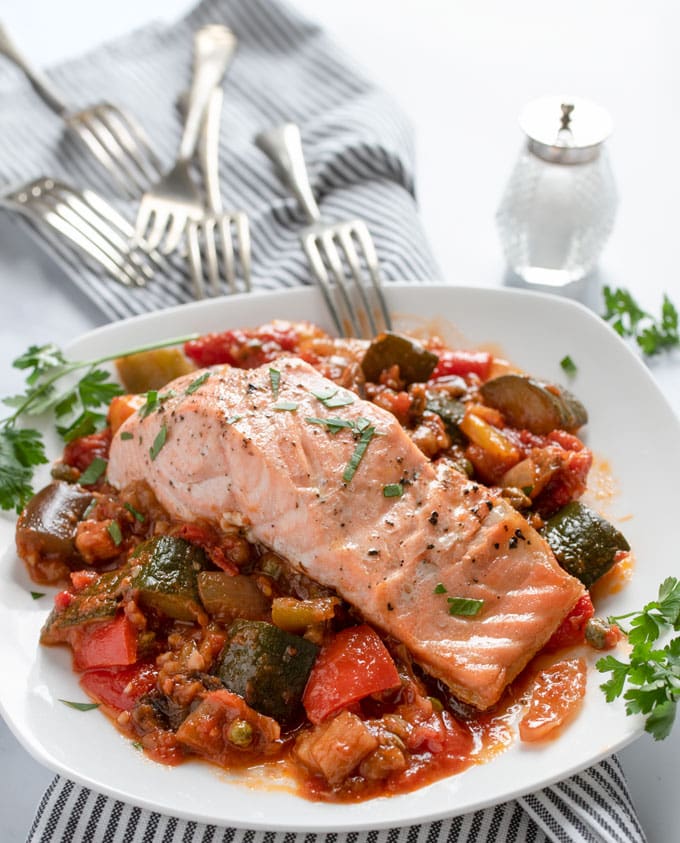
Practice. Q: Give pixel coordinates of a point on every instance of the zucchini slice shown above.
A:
(167, 576)
(266, 666)
(534, 405)
(416, 363)
(584, 542)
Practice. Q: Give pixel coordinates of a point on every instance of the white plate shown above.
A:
(632, 428)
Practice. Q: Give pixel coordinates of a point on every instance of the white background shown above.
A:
(461, 71)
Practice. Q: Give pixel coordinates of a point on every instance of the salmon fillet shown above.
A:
(230, 456)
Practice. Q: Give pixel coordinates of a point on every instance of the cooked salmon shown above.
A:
(303, 466)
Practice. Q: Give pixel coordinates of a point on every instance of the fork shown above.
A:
(172, 201)
(93, 225)
(336, 251)
(112, 135)
(213, 232)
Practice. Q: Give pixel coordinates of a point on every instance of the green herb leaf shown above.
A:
(88, 511)
(20, 451)
(158, 443)
(334, 425)
(465, 606)
(36, 595)
(138, 515)
(150, 404)
(79, 706)
(334, 398)
(125, 435)
(93, 472)
(193, 386)
(568, 365)
(290, 406)
(393, 490)
(114, 531)
(359, 451)
(629, 320)
(275, 380)
(440, 588)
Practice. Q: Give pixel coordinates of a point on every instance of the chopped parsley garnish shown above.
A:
(393, 490)
(650, 680)
(193, 386)
(466, 606)
(628, 319)
(138, 515)
(275, 379)
(335, 398)
(114, 531)
(150, 404)
(290, 406)
(367, 434)
(36, 595)
(334, 425)
(125, 435)
(568, 365)
(440, 588)
(88, 510)
(93, 472)
(158, 443)
(79, 706)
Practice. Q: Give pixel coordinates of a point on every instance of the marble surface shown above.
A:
(461, 71)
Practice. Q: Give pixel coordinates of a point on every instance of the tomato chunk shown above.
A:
(120, 687)
(555, 699)
(572, 629)
(246, 348)
(463, 363)
(81, 452)
(105, 644)
(352, 666)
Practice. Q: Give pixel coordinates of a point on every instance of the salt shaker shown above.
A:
(559, 206)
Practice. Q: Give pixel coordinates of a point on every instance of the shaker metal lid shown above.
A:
(565, 130)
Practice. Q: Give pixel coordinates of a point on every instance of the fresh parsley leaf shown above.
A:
(86, 423)
(568, 365)
(40, 358)
(465, 606)
(125, 435)
(158, 443)
(393, 490)
(350, 469)
(193, 386)
(334, 425)
(36, 595)
(93, 472)
(440, 588)
(150, 404)
(88, 511)
(334, 398)
(79, 706)
(138, 515)
(20, 451)
(275, 380)
(114, 531)
(290, 406)
(629, 320)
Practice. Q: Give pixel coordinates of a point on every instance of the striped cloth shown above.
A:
(360, 152)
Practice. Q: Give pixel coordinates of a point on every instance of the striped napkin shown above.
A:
(359, 148)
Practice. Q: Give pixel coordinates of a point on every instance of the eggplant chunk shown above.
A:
(584, 542)
(46, 531)
(226, 597)
(534, 405)
(416, 363)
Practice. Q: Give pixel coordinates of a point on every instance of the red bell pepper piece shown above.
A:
(120, 687)
(572, 629)
(105, 644)
(353, 665)
(463, 363)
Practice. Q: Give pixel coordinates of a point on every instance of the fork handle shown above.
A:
(214, 47)
(283, 146)
(37, 78)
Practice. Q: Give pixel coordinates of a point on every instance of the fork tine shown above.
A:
(329, 250)
(344, 235)
(98, 140)
(156, 224)
(243, 240)
(319, 269)
(362, 234)
(113, 136)
(210, 244)
(134, 139)
(176, 225)
(227, 248)
(195, 262)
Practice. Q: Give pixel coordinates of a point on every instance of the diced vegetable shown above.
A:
(352, 666)
(463, 363)
(534, 405)
(489, 439)
(296, 615)
(335, 748)
(167, 576)
(572, 630)
(450, 410)
(226, 597)
(121, 408)
(555, 699)
(105, 644)
(152, 369)
(584, 542)
(120, 687)
(46, 529)
(268, 667)
(416, 363)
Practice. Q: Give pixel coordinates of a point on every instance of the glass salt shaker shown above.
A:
(559, 205)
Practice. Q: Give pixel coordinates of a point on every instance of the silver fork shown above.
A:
(112, 135)
(89, 222)
(337, 251)
(213, 232)
(166, 207)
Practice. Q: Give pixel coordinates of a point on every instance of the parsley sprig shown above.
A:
(76, 407)
(628, 319)
(650, 680)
